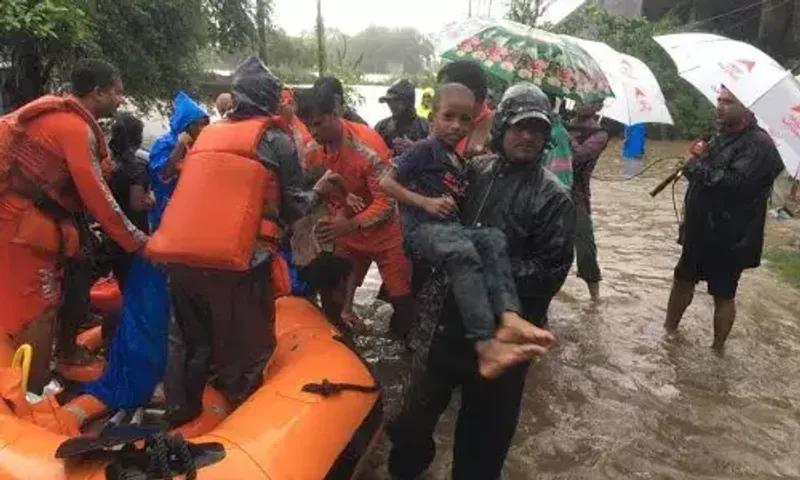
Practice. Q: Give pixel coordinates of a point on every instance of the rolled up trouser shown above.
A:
(226, 319)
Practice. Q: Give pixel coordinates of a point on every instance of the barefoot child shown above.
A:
(428, 180)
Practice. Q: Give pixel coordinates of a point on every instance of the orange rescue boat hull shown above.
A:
(279, 433)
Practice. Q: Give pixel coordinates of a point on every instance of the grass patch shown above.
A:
(786, 263)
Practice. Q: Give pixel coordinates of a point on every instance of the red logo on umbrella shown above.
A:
(749, 64)
(641, 97)
(734, 71)
(792, 121)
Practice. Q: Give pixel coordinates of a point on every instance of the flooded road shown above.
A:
(619, 399)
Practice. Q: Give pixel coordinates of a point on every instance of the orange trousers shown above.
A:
(30, 292)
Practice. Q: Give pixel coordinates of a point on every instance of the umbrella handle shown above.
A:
(665, 183)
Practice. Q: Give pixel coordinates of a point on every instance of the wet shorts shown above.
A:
(722, 282)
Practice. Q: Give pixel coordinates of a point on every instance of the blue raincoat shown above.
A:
(137, 356)
(635, 138)
(186, 112)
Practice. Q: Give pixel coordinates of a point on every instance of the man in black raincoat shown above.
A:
(228, 317)
(512, 192)
(404, 127)
(730, 180)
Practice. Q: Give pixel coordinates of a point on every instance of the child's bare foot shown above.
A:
(516, 329)
(495, 356)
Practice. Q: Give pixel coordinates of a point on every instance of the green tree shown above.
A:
(38, 39)
(156, 44)
(156, 58)
(388, 50)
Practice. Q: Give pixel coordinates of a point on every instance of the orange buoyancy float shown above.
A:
(214, 218)
(280, 432)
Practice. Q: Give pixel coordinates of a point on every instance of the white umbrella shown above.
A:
(637, 94)
(772, 93)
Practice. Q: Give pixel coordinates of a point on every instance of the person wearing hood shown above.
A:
(510, 191)
(187, 121)
(404, 127)
(425, 107)
(224, 316)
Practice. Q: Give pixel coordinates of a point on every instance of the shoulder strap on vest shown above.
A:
(52, 103)
(238, 136)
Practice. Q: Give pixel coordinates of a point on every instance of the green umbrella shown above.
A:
(514, 52)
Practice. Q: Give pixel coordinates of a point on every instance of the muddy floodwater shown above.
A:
(619, 399)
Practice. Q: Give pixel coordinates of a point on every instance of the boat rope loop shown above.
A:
(328, 389)
(160, 448)
(164, 454)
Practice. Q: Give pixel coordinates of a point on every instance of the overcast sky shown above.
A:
(427, 16)
(352, 16)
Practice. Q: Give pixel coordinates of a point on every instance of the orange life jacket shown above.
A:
(241, 138)
(28, 168)
(225, 202)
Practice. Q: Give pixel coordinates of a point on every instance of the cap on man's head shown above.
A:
(531, 115)
(402, 90)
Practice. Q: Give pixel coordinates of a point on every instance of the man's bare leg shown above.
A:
(594, 291)
(724, 316)
(680, 298)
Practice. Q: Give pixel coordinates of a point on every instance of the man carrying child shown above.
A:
(512, 192)
(428, 181)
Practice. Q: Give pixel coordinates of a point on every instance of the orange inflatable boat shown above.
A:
(314, 418)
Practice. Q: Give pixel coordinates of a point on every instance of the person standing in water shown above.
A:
(510, 191)
(730, 180)
(429, 181)
(589, 140)
(633, 148)
(361, 235)
(404, 127)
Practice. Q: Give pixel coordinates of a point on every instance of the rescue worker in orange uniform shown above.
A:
(227, 317)
(52, 155)
(300, 134)
(362, 235)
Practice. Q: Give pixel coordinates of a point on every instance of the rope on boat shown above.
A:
(328, 389)
(163, 455)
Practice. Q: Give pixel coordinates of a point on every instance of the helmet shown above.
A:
(520, 102)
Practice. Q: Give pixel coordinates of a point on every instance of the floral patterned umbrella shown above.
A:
(515, 52)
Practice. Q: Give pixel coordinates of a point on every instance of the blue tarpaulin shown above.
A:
(137, 356)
